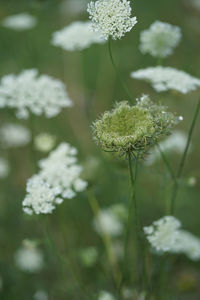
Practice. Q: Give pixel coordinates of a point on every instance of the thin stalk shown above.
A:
(183, 159)
(118, 73)
(132, 204)
(106, 240)
(167, 164)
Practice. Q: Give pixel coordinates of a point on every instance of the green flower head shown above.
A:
(132, 129)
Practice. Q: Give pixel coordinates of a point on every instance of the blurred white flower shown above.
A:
(187, 244)
(111, 18)
(58, 178)
(44, 142)
(73, 7)
(29, 259)
(192, 181)
(14, 135)
(176, 143)
(104, 295)
(195, 3)
(162, 234)
(160, 39)
(30, 92)
(88, 256)
(40, 295)
(167, 78)
(109, 222)
(4, 168)
(76, 36)
(20, 22)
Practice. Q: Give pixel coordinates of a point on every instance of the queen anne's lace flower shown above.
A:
(14, 135)
(4, 168)
(167, 78)
(162, 234)
(29, 259)
(44, 142)
(133, 128)
(58, 178)
(160, 39)
(111, 18)
(30, 92)
(20, 22)
(76, 36)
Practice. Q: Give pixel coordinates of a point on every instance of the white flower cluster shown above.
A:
(111, 18)
(30, 92)
(58, 178)
(167, 78)
(4, 168)
(166, 235)
(176, 142)
(160, 39)
(104, 295)
(76, 36)
(29, 259)
(20, 22)
(110, 221)
(44, 142)
(14, 135)
(162, 234)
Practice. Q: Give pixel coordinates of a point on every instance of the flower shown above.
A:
(58, 178)
(14, 135)
(29, 259)
(167, 78)
(76, 36)
(160, 39)
(109, 222)
(40, 295)
(88, 256)
(104, 295)
(20, 22)
(111, 18)
(133, 128)
(162, 234)
(187, 244)
(176, 142)
(44, 142)
(29, 92)
(196, 4)
(73, 7)
(4, 168)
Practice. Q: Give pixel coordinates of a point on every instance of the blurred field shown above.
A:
(93, 86)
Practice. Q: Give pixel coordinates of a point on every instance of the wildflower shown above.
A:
(111, 18)
(73, 7)
(40, 295)
(187, 244)
(29, 259)
(167, 78)
(20, 22)
(162, 234)
(4, 168)
(176, 142)
(58, 178)
(29, 92)
(76, 36)
(44, 142)
(88, 256)
(14, 135)
(104, 295)
(160, 39)
(109, 222)
(133, 128)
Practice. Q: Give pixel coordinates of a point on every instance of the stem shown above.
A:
(106, 239)
(132, 203)
(167, 164)
(118, 73)
(183, 159)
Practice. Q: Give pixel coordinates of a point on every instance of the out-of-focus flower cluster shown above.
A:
(4, 168)
(58, 178)
(29, 92)
(111, 18)
(14, 135)
(20, 22)
(44, 142)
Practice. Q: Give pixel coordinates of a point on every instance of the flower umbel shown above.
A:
(133, 128)
(111, 18)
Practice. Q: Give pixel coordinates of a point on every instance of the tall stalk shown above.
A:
(183, 159)
(118, 72)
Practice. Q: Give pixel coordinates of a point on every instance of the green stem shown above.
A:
(132, 204)
(167, 164)
(183, 159)
(118, 73)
